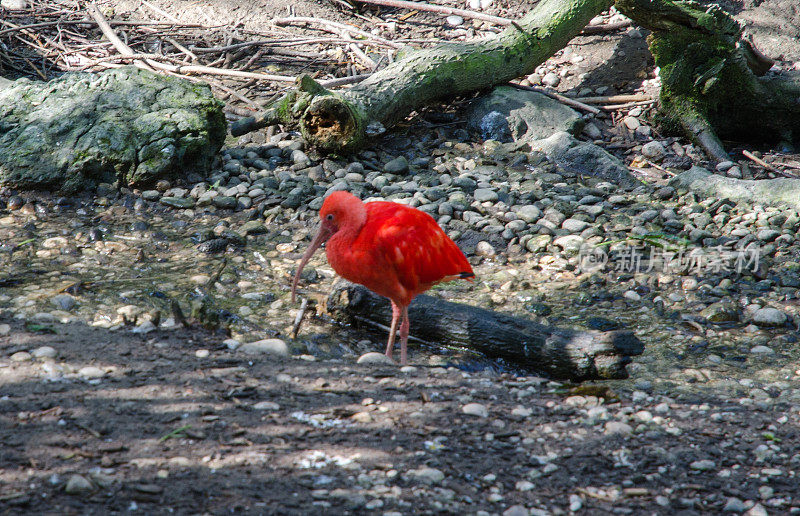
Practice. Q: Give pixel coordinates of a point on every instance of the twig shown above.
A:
(109, 33)
(215, 277)
(343, 81)
(616, 107)
(615, 99)
(606, 27)
(191, 55)
(561, 98)
(419, 6)
(160, 11)
(299, 319)
(88, 429)
(333, 27)
(760, 162)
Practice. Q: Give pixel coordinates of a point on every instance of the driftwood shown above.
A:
(345, 121)
(559, 353)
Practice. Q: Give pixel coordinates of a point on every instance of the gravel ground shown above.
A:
(109, 405)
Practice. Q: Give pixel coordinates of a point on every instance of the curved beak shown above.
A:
(324, 233)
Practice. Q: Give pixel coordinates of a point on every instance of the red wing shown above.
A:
(415, 246)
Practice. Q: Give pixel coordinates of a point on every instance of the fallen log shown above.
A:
(558, 353)
(337, 122)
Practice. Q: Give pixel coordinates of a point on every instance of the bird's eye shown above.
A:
(329, 216)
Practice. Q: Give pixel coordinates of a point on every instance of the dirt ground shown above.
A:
(172, 423)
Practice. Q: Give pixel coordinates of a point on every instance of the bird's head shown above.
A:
(340, 210)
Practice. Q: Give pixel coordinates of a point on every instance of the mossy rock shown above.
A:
(125, 125)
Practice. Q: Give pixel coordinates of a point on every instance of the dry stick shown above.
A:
(615, 99)
(299, 319)
(365, 59)
(160, 11)
(606, 27)
(419, 6)
(234, 93)
(191, 55)
(109, 33)
(561, 98)
(616, 107)
(760, 161)
(333, 27)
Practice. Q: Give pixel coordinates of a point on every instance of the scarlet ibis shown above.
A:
(392, 249)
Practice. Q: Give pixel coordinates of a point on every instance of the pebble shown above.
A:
(768, 235)
(518, 510)
(654, 151)
(703, 465)
(574, 225)
(529, 213)
(63, 302)
(231, 344)
(375, 358)
(5, 329)
(397, 166)
(733, 504)
(618, 427)
(44, 352)
(765, 350)
(20, 356)
(455, 21)
(485, 194)
(475, 409)
(267, 346)
(90, 372)
(769, 317)
(266, 405)
(551, 79)
(426, 475)
(202, 353)
(484, 248)
(77, 485)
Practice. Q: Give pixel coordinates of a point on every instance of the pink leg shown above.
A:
(404, 327)
(393, 330)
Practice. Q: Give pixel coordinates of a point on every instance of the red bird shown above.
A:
(392, 249)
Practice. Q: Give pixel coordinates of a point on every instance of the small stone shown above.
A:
(375, 358)
(529, 213)
(455, 21)
(63, 302)
(703, 465)
(5, 329)
(266, 405)
(44, 352)
(178, 202)
(734, 505)
(763, 350)
(426, 475)
(475, 409)
(653, 151)
(224, 202)
(202, 353)
(145, 327)
(398, 165)
(485, 194)
(617, 427)
(574, 225)
(78, 484)
(769, 317)
(266, 346)
(631, 122)
(91, 372)
(362, 417)
(20, 356)
(664, 193)
(722, 166)
(518, 510)
(768, 235)
(551, 79)
(575, 503)
(757, 510)
(630, 295)
(231, 344)
(484, 248)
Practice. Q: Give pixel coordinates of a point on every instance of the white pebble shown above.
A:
(475, 409)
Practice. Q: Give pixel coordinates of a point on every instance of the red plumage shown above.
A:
(392, 249)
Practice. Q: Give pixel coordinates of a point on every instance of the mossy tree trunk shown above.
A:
(335, 121)
(713, 81)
